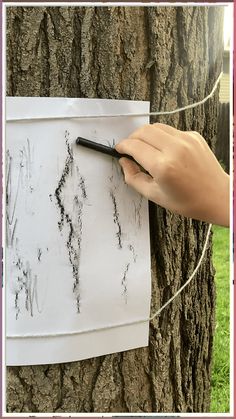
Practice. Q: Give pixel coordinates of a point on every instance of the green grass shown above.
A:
(220, 389)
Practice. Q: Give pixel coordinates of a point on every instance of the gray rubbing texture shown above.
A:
(170, 56)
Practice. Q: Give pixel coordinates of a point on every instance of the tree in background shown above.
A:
(171, 56)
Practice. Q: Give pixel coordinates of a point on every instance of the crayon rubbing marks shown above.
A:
(71, 214)
(116, 219)
(134, 255)
(8, 177)
(39, 254)
(74, 250)
(26, 288)
(110, 143)
(61, 184)
(26, 156)
(24, 174)
(75, 236)
(116, 168)
(137, 211)
(113, 192)
(81, 184)
(124, 283)
(11, 199)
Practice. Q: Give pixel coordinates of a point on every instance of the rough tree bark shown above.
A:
(170, 56)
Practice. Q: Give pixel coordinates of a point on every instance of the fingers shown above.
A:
(159, 136)
(144, 184)
(140, 181)
(154, 136)
(146, 155)
(198, 138)
(168, 129)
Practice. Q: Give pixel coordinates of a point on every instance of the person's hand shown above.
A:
(183, 175)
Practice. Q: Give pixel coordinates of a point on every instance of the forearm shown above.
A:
(217, 210)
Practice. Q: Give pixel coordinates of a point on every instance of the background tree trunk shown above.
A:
(170, 56)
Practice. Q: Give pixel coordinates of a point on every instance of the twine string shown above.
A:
(120, 115)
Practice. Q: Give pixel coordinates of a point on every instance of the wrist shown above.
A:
(213, 204)
(221, 213)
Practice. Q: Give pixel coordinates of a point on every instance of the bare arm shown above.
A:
(184, 175)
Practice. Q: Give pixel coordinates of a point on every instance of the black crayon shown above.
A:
(102, 148)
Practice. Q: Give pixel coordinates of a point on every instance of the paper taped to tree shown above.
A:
(77, 237)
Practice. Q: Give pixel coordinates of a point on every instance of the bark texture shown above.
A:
(170, 56)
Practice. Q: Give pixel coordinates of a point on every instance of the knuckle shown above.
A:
(183, 149)
(122, 145)
(145, 127)
(167, 170)
(153, 167)
(140, 131)
(157, 171)
(191, 135)
(194, 139)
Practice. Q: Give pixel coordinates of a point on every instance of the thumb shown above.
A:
(129, 167)
(134, 177)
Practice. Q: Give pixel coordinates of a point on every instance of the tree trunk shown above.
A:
(171, 56)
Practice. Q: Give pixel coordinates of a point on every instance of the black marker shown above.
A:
(102, 148)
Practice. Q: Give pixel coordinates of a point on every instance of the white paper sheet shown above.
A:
(77, 237)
